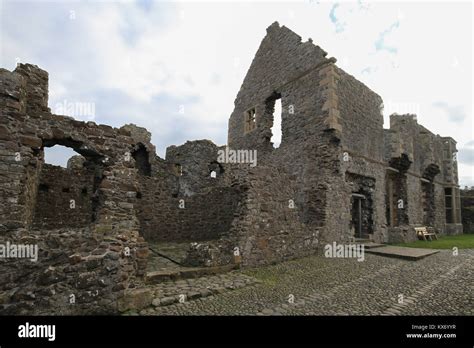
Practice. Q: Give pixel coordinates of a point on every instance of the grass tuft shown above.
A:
(462, 241)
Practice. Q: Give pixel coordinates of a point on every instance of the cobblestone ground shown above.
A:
(441, 284)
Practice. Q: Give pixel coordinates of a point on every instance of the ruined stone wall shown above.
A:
(425, 150)
(266, 228)
(467, 206)
(77, 272)
(297, 197)
(360, 117)
(29, 183)
(404, 131)
(365, 186)
(155, 206)
(17, 184)
(427, 203)
(27, 126)
(271, 231)
(29, 133)
(362, 158)
(429, 154)
(298, 73)
(431, 159)
(64, 198)
(193, 163)
(414, 204)
(177, 218)
(281, 59)
(439, 209)
(333, 114)
(181, 201)
(374, 176)
(310, 150)
(206, 216)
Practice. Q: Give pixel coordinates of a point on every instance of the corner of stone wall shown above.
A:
(328, 89)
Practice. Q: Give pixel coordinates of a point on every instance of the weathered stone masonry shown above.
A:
(74, 262)
(338, 175)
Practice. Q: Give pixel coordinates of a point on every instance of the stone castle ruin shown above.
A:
(338, 175)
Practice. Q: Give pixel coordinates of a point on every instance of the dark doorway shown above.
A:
(362, 205)
(357, 221)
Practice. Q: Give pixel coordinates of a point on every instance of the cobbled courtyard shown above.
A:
(441, 284)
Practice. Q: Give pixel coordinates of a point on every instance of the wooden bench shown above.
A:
(424, 234)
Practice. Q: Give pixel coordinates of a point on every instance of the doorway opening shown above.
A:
(359, 219)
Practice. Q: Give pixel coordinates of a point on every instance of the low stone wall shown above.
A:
(76, 272)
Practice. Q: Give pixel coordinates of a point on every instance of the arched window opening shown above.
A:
(59, 155)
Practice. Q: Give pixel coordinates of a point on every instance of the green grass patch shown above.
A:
(266, 276)
(462, 241)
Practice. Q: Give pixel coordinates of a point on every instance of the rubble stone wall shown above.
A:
(432, 160)
(193, 163)
(361, 117)
(287, 68)
(64, 198)
(362, 155)
(467, 206)
(266, 228)
(27, 126)
(202, 216)
(77, 272)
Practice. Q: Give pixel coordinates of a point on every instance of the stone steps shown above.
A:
(368, 244)
(197, 293)
(144, 300)
(412, 254)
(157, 277)
(371, 245)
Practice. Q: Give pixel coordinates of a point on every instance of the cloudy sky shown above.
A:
(175, 67)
